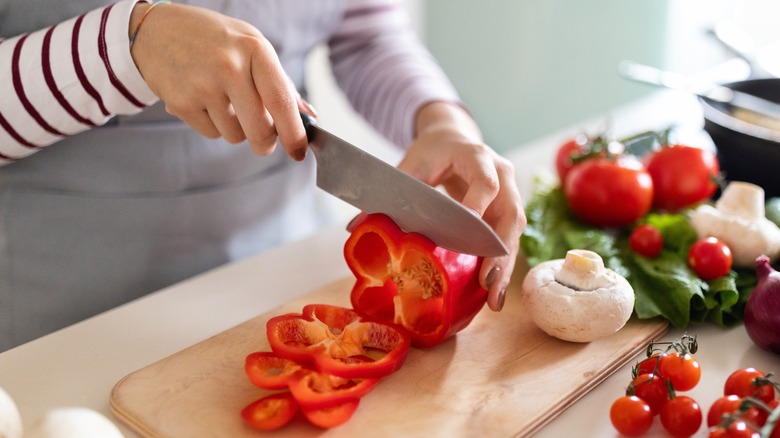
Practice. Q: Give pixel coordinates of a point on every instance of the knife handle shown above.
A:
(308, 123)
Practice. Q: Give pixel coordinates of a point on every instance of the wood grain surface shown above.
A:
(499, 377)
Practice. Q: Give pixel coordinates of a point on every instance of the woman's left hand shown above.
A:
(448, 150)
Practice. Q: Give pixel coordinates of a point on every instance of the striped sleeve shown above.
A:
(384, 69)
(67, 78)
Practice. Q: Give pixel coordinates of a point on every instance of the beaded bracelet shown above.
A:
(141, 21)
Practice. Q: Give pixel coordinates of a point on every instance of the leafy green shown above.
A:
(664, 286)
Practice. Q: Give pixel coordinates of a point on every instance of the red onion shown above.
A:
(762, 310)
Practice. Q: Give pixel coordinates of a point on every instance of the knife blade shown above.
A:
(374, 186)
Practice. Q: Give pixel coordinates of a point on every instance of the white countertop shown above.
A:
(79, 365)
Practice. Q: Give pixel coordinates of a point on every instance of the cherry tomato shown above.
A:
(648, 366)
(569, 149)
(682, 176)
(742, 383)
(606, 192)
(681, 416)
(646, 240)
(722, 406)
(717, 432)
(709, 258)
(741, 429)
(631, 416)
(682, 370)
(652, 389)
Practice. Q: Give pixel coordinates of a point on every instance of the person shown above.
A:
(139, 142)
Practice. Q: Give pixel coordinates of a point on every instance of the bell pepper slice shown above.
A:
(271, 412)
(268, 371)
(331, 417)
(311, 389)
(339, 341)
(404, 278)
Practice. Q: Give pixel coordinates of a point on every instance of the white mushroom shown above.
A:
(577, 299)
(10, 420)
(738, 220)
(74, 423)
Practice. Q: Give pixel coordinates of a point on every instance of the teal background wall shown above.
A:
(527, 67)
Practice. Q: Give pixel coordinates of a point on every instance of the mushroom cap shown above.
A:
(74, 422)
(576, 315)
(10, 420)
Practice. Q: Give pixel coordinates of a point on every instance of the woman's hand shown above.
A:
(448, 150)
(219, 75)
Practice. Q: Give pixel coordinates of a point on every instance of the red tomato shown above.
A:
(722, 406)
(682, 176)
(743, 383)
(566, 151)
(646, 240)
(709, 258)
(652, 389)
(607, 192)
(631, 416)
(741, 429)
(648, 366)
(682, 371)
(681, 416)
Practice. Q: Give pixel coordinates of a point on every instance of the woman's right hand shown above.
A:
(220, 75)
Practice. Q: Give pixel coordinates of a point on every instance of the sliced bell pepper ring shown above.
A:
(338, 341)
(268, 371)
(331, 417)
(311, 389)
(404, 278)
(271, 412)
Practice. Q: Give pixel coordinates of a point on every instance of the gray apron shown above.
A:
(106, 216)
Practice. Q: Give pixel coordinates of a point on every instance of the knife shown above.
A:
(715, 92)
(374, 186)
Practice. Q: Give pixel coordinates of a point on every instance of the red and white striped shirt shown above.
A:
(76, 75)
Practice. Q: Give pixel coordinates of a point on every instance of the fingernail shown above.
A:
(311, 110)
(491, 277)
(299, 154)
(501, 299)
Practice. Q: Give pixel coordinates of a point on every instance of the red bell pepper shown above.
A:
(338, 341)
(276, 410)
(404, 278)
(311, 389)
(270, 412)
(331, 417)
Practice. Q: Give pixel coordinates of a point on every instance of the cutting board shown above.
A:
(501, 376)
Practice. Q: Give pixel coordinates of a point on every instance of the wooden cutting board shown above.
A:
(501, 376)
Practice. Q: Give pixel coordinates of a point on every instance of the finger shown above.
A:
(255, 121)
(507, 217)
(224, 118)
(201, 122)
(483, 183)
(280, 99)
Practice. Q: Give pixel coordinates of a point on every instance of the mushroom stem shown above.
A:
(582, 270)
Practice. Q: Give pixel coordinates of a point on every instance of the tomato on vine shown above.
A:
(566, 154)
(749, 382)
(682, 176)
(631, 416)
(681, 369)
(650, 388)
(681, 416)
(609, 191)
